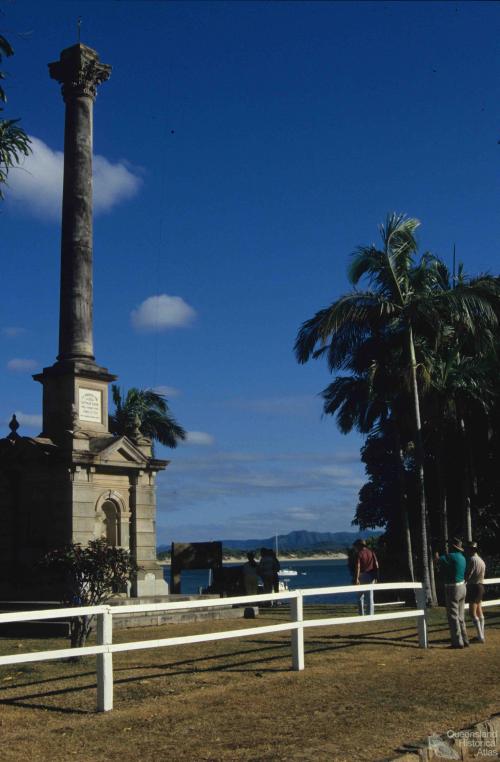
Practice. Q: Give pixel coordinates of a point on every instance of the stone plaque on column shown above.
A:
(89, 405)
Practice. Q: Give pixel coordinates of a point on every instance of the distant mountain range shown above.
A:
(298, 540)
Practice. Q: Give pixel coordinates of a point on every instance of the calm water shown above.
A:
(310, 574)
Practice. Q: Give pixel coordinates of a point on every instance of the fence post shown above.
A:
(297, 612)
(104, 663)
(422, 620)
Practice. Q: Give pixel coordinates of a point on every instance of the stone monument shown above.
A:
(76, 481)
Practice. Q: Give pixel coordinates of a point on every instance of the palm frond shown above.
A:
(469, 307)
(151, 410)
(342, 321)
(116, 394)
(366, 260)
(352, 400)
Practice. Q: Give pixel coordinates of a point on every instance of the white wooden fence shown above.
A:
(105, 648)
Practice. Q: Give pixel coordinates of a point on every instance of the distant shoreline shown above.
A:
(285, 559)
(282, 559)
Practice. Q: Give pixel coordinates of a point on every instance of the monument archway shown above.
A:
(112, 519)
(111, 525)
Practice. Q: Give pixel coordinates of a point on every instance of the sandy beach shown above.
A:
(292, 557)
(282, 559)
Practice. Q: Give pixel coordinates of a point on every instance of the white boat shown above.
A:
(283, 572)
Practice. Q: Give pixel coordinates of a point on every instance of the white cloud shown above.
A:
(258, 524)
(37, 182)
(112, 183)
(166, 391)
(258, 481)
(27, 419)
(215, 477)
(342, 476)
(334, 471)
(301, 513)
(158, 313)
(12, 331)
(199, 438)
(20, 365)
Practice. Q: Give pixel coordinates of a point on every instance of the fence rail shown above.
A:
(105, 647)
(495, 601)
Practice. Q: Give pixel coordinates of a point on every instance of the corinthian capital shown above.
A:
(79, 71)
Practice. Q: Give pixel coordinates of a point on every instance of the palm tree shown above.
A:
(404, 302)
(461, 383)
(14, 142)
(462, 390)
(367, 400)
(146, 412)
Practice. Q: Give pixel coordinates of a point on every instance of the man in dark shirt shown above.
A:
(365, 572)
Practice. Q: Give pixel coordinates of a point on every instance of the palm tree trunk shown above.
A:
(468, 520)
(404, 506)
(466, 481)
(419, 462)
(432, 576)
(408, 544)
(443, 499)
(444, 519)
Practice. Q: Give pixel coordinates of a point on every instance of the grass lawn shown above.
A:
(366, 689)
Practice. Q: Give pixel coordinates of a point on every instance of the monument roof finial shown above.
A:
(13, 426)
(79, 26)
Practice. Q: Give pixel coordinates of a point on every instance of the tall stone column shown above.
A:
(75, 388)
(80, 72)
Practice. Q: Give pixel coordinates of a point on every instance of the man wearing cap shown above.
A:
(452, 566)
(365, 572)
(474, 578)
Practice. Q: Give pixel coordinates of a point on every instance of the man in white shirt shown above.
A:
(474, 577)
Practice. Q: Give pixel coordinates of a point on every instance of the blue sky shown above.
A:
(243, 150)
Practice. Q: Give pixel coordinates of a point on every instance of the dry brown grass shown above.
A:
(365, 690)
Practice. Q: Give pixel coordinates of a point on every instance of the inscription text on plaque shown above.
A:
(89, 405)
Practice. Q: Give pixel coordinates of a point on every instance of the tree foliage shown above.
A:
(145, 411)
(89, 575)
(14, 142)
(415, 360)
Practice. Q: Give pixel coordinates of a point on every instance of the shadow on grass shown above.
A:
(59, 678)
(24, 701)
(280, 650)
(39, 700)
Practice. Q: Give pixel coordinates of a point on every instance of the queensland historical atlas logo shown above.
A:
(479, 744)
